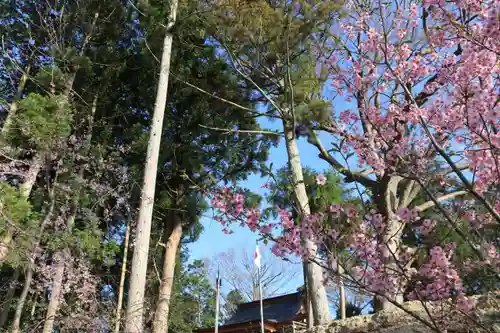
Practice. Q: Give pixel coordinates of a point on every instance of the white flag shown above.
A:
(256, 257)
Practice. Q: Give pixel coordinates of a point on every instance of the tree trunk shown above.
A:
(316, 289)
(340, 271)
(17, 97)
(25, 190)
(33, 308)
(8, 297)
(30, 179)
(55, 293)
(387, 204)
(16, 324)
(160, 324)
(4, 245)
(134, 319)
(119, 304)
(392, 240)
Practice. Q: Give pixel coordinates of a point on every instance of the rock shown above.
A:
(414, 317)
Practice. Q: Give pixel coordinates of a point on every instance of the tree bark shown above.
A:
(119, 304)
(33, 308)
(8, 297)
(160, 324)
(16, 324)
(387, 204)
(316, 289)
(55, 294)
(134, 319)
(30, 179)
(4, 245)
(392, 240)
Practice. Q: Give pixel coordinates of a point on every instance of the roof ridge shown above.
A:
(271, 299)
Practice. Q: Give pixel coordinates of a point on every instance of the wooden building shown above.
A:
(283, 314)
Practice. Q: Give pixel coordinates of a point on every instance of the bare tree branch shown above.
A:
(240, 273)
(228, 131)
(361, 177)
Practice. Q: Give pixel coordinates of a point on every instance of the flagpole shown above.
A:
(217, 281)
(257, 263)
(261, 304)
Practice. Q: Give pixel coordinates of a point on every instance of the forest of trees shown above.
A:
(125, 123)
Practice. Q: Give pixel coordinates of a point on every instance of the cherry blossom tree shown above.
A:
(416, 116)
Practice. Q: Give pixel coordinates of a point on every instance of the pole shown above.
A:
(261, 304)
(310, 318)
(199, 310)
(217, 281)
(340, 272)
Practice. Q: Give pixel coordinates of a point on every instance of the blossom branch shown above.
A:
(361, 177)
(456, 228)
(459, 173)
(432, 203)
(436, 145)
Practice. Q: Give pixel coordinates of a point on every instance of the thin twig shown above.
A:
(213, 95)
(228, 131)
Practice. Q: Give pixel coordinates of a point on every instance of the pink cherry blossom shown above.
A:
(465, 304)
(335, 208)
(321, 179)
